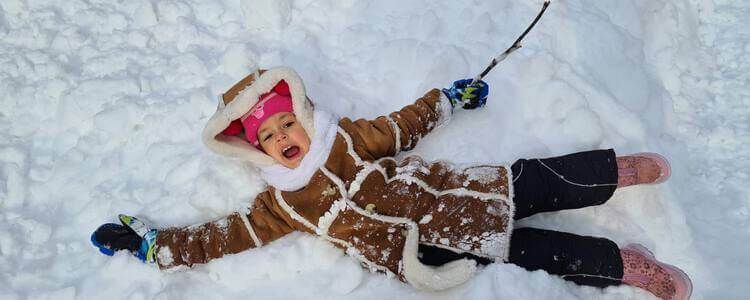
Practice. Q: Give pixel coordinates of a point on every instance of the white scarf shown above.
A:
(286, 179)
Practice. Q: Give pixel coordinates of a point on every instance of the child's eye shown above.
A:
(267, 137)
(287, 125)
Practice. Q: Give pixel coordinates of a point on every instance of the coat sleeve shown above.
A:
(197, 244)
(400, 130)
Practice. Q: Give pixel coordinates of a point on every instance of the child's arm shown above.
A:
(185, 246)
(197, 244)
(401, 130)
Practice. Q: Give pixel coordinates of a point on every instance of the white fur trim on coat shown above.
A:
(446, 110)
(238, 147)
(430, 278)
(286, 179)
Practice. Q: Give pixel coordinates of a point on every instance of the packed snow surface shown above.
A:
(102, 104)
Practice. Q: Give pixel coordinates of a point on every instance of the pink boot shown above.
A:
(642, 168)
(641, 269)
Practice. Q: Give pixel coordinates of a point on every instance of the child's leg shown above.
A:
(565, 182)
(596, 262)
(582, 259)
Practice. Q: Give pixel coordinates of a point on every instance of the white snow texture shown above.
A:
(102, 105)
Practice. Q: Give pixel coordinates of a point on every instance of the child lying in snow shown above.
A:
(336, 178)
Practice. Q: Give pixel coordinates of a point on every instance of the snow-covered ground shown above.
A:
(102, 104)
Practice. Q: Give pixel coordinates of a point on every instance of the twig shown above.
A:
(516, 45)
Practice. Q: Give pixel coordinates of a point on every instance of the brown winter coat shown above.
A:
(364, 201)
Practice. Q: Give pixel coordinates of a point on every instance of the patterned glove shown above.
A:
(133, 235)
(467, 96)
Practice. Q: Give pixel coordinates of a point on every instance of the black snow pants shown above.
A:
(551, 184)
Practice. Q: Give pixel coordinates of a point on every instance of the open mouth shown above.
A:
(290, 152)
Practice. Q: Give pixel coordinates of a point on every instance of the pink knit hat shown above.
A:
(277, 100)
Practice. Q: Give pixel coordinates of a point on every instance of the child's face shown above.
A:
(284, 139)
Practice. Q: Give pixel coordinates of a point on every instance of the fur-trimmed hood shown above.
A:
(240, 98)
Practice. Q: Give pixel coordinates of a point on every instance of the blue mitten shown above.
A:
(133, 235)
(466, 95)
